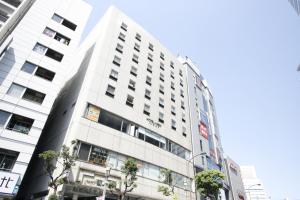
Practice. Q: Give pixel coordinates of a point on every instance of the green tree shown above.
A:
(128, 183)
(51, 159)
(209, 183)
(166, 178)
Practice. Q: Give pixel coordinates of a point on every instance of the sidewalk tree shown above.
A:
(51, 160)
(209, 183)
(166, 178)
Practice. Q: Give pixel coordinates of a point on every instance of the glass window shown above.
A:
(92, 112)
(181, 93)
(113, 75)
(173, 97)
(161, 117)
(148, 80)
(3, 117)
(41, 49)
(62, 39)
(117, 61)
(173, 110)
(7, 159)
(54, 55)
(28, 67)
(161, 89)
(34, 96)
(45, 74)
(57, 18)
(15, 90)
(138, 37)
(133, 71)
(162, 56)
(172, 85)
(49, 32)
(161, 77)
(172, 74)
(181, 82)
(135, 59)
(112, 160)
(147, 94)
(162, 66)
(173, 124)
(98, 156)
(149, 68)
(150, 57)
(110, 120)
(110, 91)
(20, 124)
(137, 47)
(124, 26)
(161, 102)
(131, 85)
(150, 46)
(146, 109)
(153, 172)
(84, 151)
(172, 64)
(122, 37)
(69, 24)
(119, 48)
(129, 100)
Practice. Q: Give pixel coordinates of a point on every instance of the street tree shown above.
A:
(209, 183)
(51, 161)
(168, 188)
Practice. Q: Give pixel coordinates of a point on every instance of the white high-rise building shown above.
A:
(253, 186)
(128, 99)
(33, 68)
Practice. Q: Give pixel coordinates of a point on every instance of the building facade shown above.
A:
(33, 68)
(233, 173)
(253, 186)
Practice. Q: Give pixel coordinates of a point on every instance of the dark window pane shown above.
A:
(69, 24)
(98, 156)
(34, 96)
(7, 159)
(110, 120)
(20, 124)
(44, 73)
(54, 55)
(84, 151)
(61, 38)
(152, 141)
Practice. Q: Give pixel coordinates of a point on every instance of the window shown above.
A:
(161, 117)
(122, 37)
(184, 131)
(181, 93)
(34, 96)
(113, 75)
(138, 37)
(149, 68)
(3, 117)
(201, 145)
(133, 71)
(64, 22)
(7, 159)
(181, 82)
(173, 110)
(20, 124)
(62, 39)
(150, 57)
(44, 73)
(183, 117)
(172, 75)
(117, 61)
(173, 97)
(135, 59)
(131, 85)
(202, 158)
(129, 100)
(161, 103)
(92, 112)
(162, 56)
(28, 67)
(110, 91)
(146, 109)
(161, 77)
(41, 49)
(119, 48)
(162, 66)
(147, 94)
(137, 47)
(124, 26)
(150, 46)
(98, 156)
(49, 32)
(84, 151)
(172, 64)
(182, 105)
(16, 90)
(173, 124)
(172, 85)
(161, 89)
(180, 72)
(54, 55)
(148, 80)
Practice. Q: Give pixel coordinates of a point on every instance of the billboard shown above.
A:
(203, 130)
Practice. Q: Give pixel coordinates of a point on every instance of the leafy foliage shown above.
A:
(51, 158)
(209, 182)
(166, 178)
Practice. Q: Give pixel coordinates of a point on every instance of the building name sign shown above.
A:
(83, 189)
(155, 124)
(8, 182)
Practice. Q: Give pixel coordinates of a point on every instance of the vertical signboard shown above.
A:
(8, 182)
(203, 130)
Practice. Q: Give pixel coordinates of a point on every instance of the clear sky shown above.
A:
(249, 52)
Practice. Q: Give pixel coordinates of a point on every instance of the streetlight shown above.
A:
(258, 184)
(107, 173)
(194, 170)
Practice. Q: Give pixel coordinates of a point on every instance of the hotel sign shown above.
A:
(8, 182)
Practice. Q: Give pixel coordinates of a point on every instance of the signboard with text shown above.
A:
(203, 130)
(8, 182)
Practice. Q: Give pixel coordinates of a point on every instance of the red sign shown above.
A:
(203, 130)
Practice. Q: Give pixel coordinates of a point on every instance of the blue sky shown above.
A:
(249, 52)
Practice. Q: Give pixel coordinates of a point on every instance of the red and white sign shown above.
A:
(203, 130)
